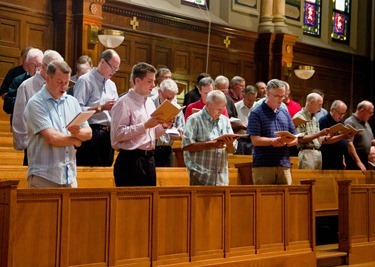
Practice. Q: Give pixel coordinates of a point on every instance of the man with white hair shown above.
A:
(163, 148)
(33, 64)
(26, 90)
(309, 155)
(206, 157)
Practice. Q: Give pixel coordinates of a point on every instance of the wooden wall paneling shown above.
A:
(171, 227)
(89, 225)
(181, 62)
(7, 63)
(270, 231)
(207, 236)
(9, 32)
(133, 228)
(142, 51)
(40, 215)
(241, 223)
(298, 237)
(39, 34)
(232, 68)
(163, 56)
(216, 66)
(249, 72)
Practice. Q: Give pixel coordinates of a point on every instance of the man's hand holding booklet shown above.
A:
(81, 118)
(166, 111)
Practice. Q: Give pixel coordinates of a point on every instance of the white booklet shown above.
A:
(81, 118)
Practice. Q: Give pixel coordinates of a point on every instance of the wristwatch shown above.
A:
(99, 108)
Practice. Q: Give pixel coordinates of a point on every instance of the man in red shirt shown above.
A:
(205, 86)
(293, 106)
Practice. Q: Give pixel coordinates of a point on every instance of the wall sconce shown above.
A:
(108, 38)
(304, 72)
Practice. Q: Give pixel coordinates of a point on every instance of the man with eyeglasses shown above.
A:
(334, 147)
(96, 91)
(236, 87)
(271, 161)
(163, 147)
(161, 75)
(309, 155)
(33, 64)
(359, 144)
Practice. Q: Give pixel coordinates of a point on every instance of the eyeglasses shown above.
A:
(169, 98)
(339, 113)
(369, 112)
(115, 69)
(279, 96)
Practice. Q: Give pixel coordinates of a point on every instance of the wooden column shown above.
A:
(87, 14)
(274, 56)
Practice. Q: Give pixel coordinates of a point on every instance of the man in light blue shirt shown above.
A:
(50, 151)
(205, 157)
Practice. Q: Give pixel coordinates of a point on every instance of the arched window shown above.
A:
(311, 18)
(341, 20)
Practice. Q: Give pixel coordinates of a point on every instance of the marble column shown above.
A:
(279, 17)
(266, 17)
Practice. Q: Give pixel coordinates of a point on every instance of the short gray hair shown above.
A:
(51, 55)
(221, 79)
(275, 83)
(34, 52)
(169, 84)
(215, 96)
(206, 81)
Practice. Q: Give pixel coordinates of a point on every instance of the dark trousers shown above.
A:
(97, 151)
(25, 162)
(135, 168)
(164, 156)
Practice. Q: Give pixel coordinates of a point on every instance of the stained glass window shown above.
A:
(196, 3)
(311, 17)
(341, 20)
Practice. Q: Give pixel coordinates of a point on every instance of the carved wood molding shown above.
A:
(181, 23)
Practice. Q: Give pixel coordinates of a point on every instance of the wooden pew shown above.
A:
(98, 177)
(357, 222)
(157, 226)
(326, 190)
(6, 139)
(10, 156)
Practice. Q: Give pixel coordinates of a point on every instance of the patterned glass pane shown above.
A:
(341, 21)
(311, 21)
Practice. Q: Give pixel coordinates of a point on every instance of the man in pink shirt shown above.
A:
(133, 131)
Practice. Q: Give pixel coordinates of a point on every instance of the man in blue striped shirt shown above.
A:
(205, 157)
(271, 163)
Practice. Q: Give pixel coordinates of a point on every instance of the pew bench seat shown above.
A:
(97, 177)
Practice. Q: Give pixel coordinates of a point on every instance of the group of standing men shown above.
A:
(42, 111)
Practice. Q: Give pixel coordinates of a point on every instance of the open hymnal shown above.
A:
(167, 111)
(337, 128)
(235, 120)
(81, 118)
(232, 137)
(287, 134)
(350, 130)
(298, 121)
(172, 131)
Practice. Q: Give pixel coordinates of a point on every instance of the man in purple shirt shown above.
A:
(133, 131)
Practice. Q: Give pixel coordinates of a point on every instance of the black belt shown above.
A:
(163, 148)
(105, 128)
(139, 152)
